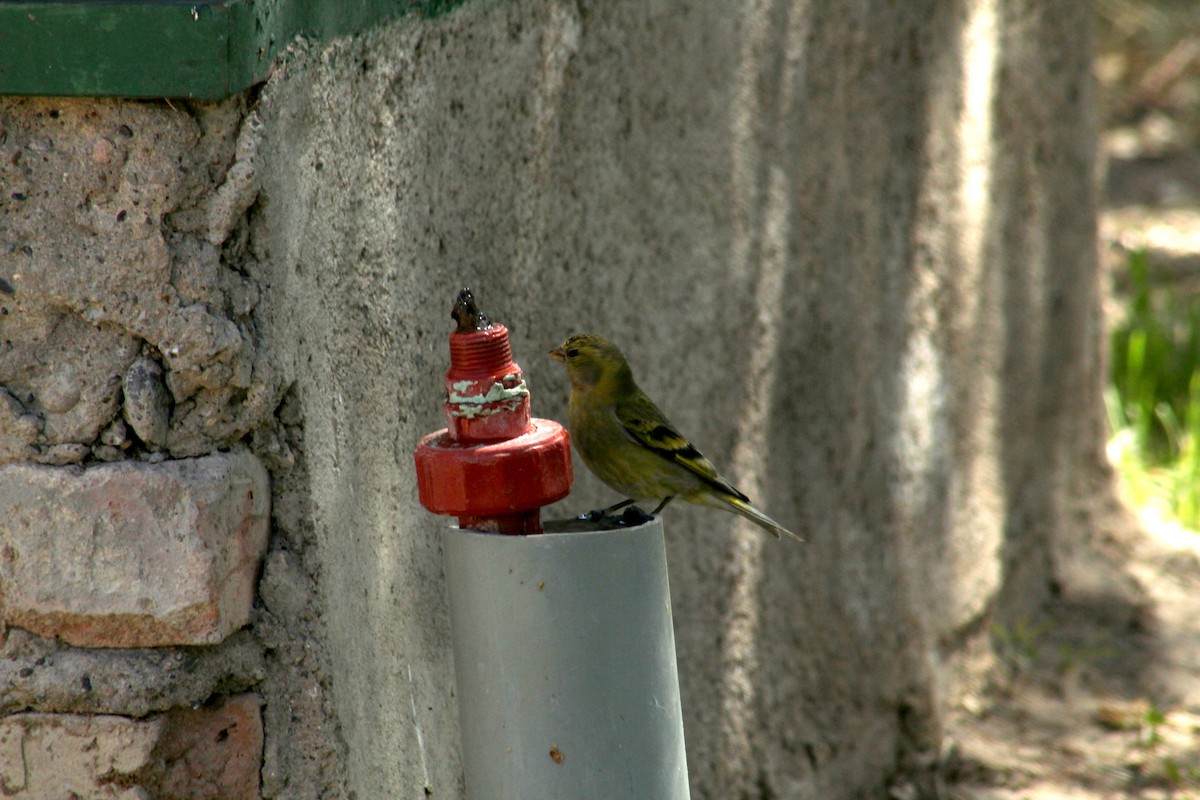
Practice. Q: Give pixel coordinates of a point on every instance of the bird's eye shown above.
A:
(572, 352)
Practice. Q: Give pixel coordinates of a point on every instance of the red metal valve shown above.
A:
(492, 466)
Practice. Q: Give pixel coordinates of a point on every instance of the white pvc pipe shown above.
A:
(564, 656)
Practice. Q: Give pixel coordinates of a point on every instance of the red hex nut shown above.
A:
(498, 486)
(492, 466)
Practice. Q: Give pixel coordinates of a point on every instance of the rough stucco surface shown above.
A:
(116, 243)
(850, 249)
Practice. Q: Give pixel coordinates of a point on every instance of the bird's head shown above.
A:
(592, 361)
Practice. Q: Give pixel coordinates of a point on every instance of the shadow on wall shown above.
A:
(851, 401)
(1042, 242)
(923, 370)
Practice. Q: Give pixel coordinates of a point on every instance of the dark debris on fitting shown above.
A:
(468, 315)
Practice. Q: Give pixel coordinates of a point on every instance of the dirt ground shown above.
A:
(1095, 702)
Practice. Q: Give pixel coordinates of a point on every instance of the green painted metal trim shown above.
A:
(203, 49)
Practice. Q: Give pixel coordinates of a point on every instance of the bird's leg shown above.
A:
(617, 506)
(663, 504)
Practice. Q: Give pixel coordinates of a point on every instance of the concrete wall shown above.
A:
(849, 249)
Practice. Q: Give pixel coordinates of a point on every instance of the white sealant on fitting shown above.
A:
(497, 398)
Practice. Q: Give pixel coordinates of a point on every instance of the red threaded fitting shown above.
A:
(492, 466)
(486, 398)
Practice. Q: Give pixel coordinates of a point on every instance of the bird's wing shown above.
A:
(647, 426)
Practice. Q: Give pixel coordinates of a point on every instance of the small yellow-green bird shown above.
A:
(629, 444)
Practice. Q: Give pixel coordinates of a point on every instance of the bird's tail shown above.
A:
(757, 517)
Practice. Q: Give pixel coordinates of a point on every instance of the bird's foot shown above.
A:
(634, 516)
(631, 517)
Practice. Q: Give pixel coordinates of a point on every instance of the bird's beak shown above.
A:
(557, 354)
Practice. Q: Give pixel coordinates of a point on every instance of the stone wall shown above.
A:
(140, 411)
(849, 250)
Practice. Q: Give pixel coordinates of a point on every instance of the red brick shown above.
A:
(133, 554)
(67, 755)
(209, 753)
(212, 754)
